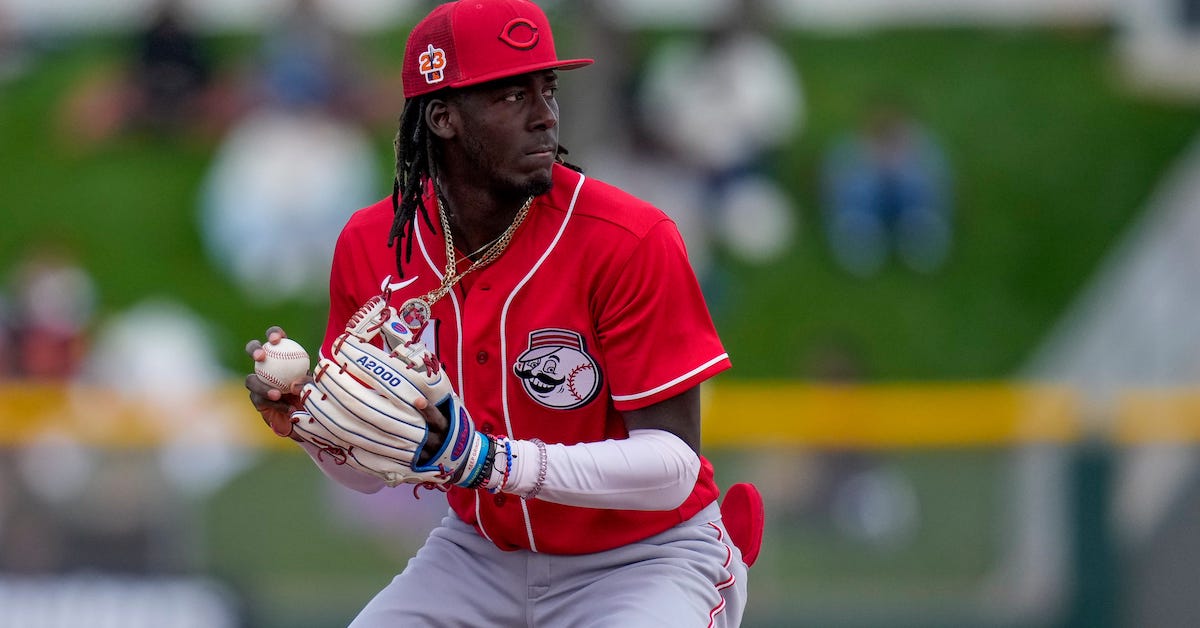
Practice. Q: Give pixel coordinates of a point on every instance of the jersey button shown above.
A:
(486, 428)
(499, 499)
(481, 357)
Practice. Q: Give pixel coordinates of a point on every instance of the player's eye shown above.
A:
(514, 96)
(550, 91)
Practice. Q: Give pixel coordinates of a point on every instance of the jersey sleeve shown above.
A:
(654, 328)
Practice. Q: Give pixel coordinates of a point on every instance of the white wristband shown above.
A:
(650, 470)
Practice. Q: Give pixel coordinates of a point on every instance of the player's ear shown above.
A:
(439, 118)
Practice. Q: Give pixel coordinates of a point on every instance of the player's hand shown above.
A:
(439, 426)
(275, 407)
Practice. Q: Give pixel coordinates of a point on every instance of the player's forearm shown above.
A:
(341, 473)
(650, 470)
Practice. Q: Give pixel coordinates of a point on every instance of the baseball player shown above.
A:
(565, 316)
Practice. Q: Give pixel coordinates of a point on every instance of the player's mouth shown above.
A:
(542, 152)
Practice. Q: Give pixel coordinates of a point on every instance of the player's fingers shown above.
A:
(273, 334)
(299, 384)
(280, 421)
(257, 387)
(434, 418)
(261, 391)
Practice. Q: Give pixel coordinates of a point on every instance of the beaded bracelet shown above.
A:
(495, 465)
(508, 458)
(542, 463)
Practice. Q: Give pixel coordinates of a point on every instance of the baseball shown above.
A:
(285, 362)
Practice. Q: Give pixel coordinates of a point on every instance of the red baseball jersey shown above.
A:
(592, 310)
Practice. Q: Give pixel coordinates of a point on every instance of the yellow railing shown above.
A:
(885, 416)
(1157, 415)
(103, 417)
(737, 413)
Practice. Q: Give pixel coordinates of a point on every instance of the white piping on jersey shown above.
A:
(504, 337)
(459, 352)
(658, 389)
(457, 316)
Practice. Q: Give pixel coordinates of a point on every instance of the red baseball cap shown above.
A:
(468, 42)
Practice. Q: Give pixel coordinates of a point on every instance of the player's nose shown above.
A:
(544, 114)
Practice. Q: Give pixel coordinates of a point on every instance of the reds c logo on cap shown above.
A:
(520, 33)
(556, 370)
(433, 64)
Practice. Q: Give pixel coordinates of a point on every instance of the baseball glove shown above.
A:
(361, 409)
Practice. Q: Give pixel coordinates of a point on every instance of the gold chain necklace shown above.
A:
(470, 256)
(416, 311)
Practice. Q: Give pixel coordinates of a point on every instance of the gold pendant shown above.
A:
(415, 313)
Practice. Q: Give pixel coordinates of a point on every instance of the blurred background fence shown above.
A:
(952, 248)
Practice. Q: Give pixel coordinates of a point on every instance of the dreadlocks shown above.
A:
(415, 164)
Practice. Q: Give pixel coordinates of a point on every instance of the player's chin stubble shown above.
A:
(535, 184)
(522, 188)
(538, 185)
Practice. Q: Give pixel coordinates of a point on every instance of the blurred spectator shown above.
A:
(721, 104)
(887, 186)
(853, 494)
(54, 299)
(14, 57)
(279, 188)
(288, 173)
(725, 99)
(46, 336)
(860, 494)
(8, 351)
(171, 71)
(167, 84)
(67, 506)
(307, 62)
(174, 379)
(1189, 15)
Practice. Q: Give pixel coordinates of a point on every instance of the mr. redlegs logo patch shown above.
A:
(557, 371)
